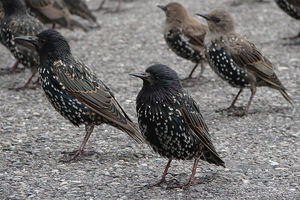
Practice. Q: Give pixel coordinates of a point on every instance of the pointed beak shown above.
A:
(205, 16)
(161, 7)
(30, 39)
(141, 75)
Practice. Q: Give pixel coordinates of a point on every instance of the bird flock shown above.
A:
(169, 119)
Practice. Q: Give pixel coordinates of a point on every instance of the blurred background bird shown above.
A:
(80, 8)
(74, 90)
(102, 3)
(184, 35)
(237, 60)
(55, 12)
(17, 22)
(292, 8)
(171, 122)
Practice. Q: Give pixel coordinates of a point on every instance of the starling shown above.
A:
(184, 35)
(292, 8)
(79, 7)
(237, 60)
(74, 90)
(55, 12)
(102, 3)
(17, 22)
(170, 120)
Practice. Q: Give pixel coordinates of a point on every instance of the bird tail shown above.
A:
(78, 24)
(286, 96)
(211, 157)
(133, 131)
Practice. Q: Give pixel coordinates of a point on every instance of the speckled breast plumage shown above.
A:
(180, 46)
(289, 8)
(164, 129)
(225, 67)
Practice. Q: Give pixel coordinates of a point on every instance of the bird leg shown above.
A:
(11, 70)
(27, 83)
(75, 154)
(191, 181)
(163, 178)
(101, 6)
(232, 106)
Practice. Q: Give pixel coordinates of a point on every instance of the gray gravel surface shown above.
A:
(261, 150)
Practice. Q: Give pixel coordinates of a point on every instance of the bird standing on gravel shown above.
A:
(74, 90)
(171, 122)
(79, 7)
(184, 35)
(292, 8)
(55, 12)
(237, 60)
(17, 22)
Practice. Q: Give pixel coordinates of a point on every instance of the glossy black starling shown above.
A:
(55, 12)
(170, 120)
(80, 8)
(74, 90)
(237, 60)
(184, 35)
(292, 8)
(17, 22)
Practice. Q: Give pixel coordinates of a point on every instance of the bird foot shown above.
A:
(23, 88)
(162, 181)
(234, 111)
(75, 155)
(186, 185)
(190, 81)
(4, 71)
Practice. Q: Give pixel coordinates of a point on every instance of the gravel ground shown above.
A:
(261, 150)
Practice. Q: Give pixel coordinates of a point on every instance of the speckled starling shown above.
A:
(74, 90)
(184, 34)
(237, 60)
(292, 8)
(79, 7)
(170, 120)
(17, 22)
(55, 12)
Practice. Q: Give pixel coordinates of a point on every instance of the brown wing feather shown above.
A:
(82, 84)
(245, 54)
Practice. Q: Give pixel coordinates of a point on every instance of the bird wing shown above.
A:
(192, 116)
(80, 82)
(245, 54)
(195, 31)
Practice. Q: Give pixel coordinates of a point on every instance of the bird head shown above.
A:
(174, 10)
(159, 77)
(49, 43)
(219, 21)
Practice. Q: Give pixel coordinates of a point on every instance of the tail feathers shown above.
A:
(78, 24)
(212, 158)
(133, 131)
(286, 96)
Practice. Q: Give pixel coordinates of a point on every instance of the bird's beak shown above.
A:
(205, 16)
(161, 7)
(141, 75)
(30, 39)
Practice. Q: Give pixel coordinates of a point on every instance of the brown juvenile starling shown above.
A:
(171, 122)
(74, 90)
(102, 3)
(17, 22)
(292, 8)
(236, 59)
(55, 12)
(184, 34)
(79, 7)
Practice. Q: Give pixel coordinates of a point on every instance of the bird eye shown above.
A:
(156, 77)
(217, 20)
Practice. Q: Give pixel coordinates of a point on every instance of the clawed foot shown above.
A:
(234, 111)
(190, 81)
(75, 155)
(4, 71)
(185, 186)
